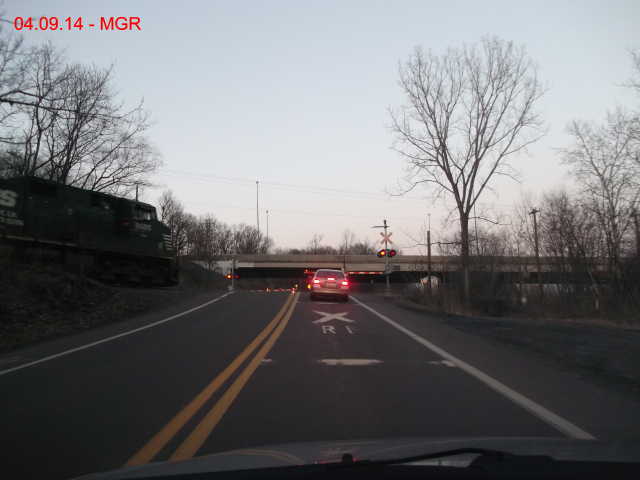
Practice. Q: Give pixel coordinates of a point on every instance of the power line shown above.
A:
(318, 190)
(302, 212)
(284, 186)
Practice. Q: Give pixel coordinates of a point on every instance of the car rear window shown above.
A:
(327, 274)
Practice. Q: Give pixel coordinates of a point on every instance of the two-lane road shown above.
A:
(253, 369)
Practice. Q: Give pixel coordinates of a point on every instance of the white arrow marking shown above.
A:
(349, 362)
(447, 363)
(328, 316)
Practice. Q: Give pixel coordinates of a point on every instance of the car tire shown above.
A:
(312, 297)
(345, 298)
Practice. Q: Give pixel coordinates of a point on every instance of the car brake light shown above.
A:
(344, 282)
(316, 281)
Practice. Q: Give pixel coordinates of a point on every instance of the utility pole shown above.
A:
(475, 220)
(267, 231)
(257, 210)
(534, 212)
(637, 225)
(137, 192)
(429, 260)
(386, 257)
(429, 253)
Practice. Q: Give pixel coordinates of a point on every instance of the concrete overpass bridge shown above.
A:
(401, 267)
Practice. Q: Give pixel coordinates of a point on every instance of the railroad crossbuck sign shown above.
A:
(386, 237)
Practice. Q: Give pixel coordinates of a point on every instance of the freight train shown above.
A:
(110, 238)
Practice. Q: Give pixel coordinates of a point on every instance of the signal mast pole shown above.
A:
(386, 257)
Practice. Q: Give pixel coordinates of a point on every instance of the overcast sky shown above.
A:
(295, 94)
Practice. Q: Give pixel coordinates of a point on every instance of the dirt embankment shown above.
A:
(40, 302)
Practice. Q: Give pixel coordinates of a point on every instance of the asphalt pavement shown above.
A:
(252, 369)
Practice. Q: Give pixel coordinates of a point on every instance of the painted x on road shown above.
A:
(328, 316)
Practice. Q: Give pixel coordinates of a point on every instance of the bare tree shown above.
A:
(569, 233)
(100, 146)
(604, 166)
(69, 127)
(173, 215)
(14, 65)
(363, 247)
(467, 112)
(315, 244)
(205, 241)
(225, 240)
(347, 241)
(17, 85)
(45, 76)
(248, 239)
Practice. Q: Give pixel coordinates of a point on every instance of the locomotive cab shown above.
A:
(115, 238)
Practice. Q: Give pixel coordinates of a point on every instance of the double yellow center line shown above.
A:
(197, 437)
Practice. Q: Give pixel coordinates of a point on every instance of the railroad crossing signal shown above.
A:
(386, 237)
(386, 252)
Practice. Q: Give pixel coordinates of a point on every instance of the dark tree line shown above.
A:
(348, 246)
(207, 238)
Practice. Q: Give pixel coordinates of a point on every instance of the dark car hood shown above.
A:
(291, 454)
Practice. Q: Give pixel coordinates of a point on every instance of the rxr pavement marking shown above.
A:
(328, 316)
(326, 329)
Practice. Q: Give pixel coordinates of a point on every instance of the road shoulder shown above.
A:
(605, 412)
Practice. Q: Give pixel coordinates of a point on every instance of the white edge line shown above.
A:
(536, 409)
(108, 339)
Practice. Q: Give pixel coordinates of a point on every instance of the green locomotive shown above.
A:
(111, 238)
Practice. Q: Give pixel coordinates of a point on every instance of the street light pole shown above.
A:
(257, 210)
(267, 242)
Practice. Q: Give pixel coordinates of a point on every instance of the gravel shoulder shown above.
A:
(604, 352)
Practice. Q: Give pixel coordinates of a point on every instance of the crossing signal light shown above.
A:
(382, 253)
(386, 252)
(392, 253)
